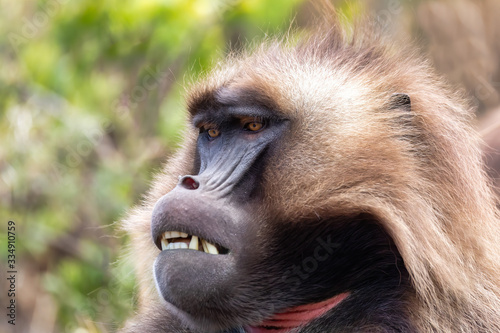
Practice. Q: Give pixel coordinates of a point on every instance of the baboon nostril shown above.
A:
(190, 183)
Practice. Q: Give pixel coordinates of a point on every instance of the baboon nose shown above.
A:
(189, 183)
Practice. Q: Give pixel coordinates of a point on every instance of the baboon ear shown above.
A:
(400, 101)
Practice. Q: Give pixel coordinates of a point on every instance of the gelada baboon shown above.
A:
(330, 183)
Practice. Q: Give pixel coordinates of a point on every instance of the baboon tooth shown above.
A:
(175, 246)
(211, 248)
(204, 244)
(164, 244)
(193, 244)
(183, 234)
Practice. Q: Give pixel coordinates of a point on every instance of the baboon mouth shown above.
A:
(176, 240)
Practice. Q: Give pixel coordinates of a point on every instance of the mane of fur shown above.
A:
(423, 178)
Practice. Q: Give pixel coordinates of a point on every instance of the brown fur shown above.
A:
(419, 173)
(490, 132)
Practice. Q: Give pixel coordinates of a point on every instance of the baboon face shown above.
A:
(217, 208)
(249, 230)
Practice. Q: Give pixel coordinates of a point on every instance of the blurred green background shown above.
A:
(91, 104)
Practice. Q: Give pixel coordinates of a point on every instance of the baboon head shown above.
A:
(331, 184)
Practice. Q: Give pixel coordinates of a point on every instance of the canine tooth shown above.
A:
(183, 234)
(193, 244)
(204, 244)
(210, 248)
(164, 244)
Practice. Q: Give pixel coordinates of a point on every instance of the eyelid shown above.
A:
(203, 126)
(246, 120)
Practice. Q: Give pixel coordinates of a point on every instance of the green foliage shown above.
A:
(90, 104)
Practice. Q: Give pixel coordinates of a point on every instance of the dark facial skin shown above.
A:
(263, 266)
(215, 205)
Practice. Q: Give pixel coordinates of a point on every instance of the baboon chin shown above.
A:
(332, 184)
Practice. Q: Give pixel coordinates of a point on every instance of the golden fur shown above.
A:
(419, 172)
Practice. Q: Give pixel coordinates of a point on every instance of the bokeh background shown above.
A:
(91, 104)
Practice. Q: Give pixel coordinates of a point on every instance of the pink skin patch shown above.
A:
(297, 316)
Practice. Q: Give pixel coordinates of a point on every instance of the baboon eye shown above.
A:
(253, 126)
(213, 132)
